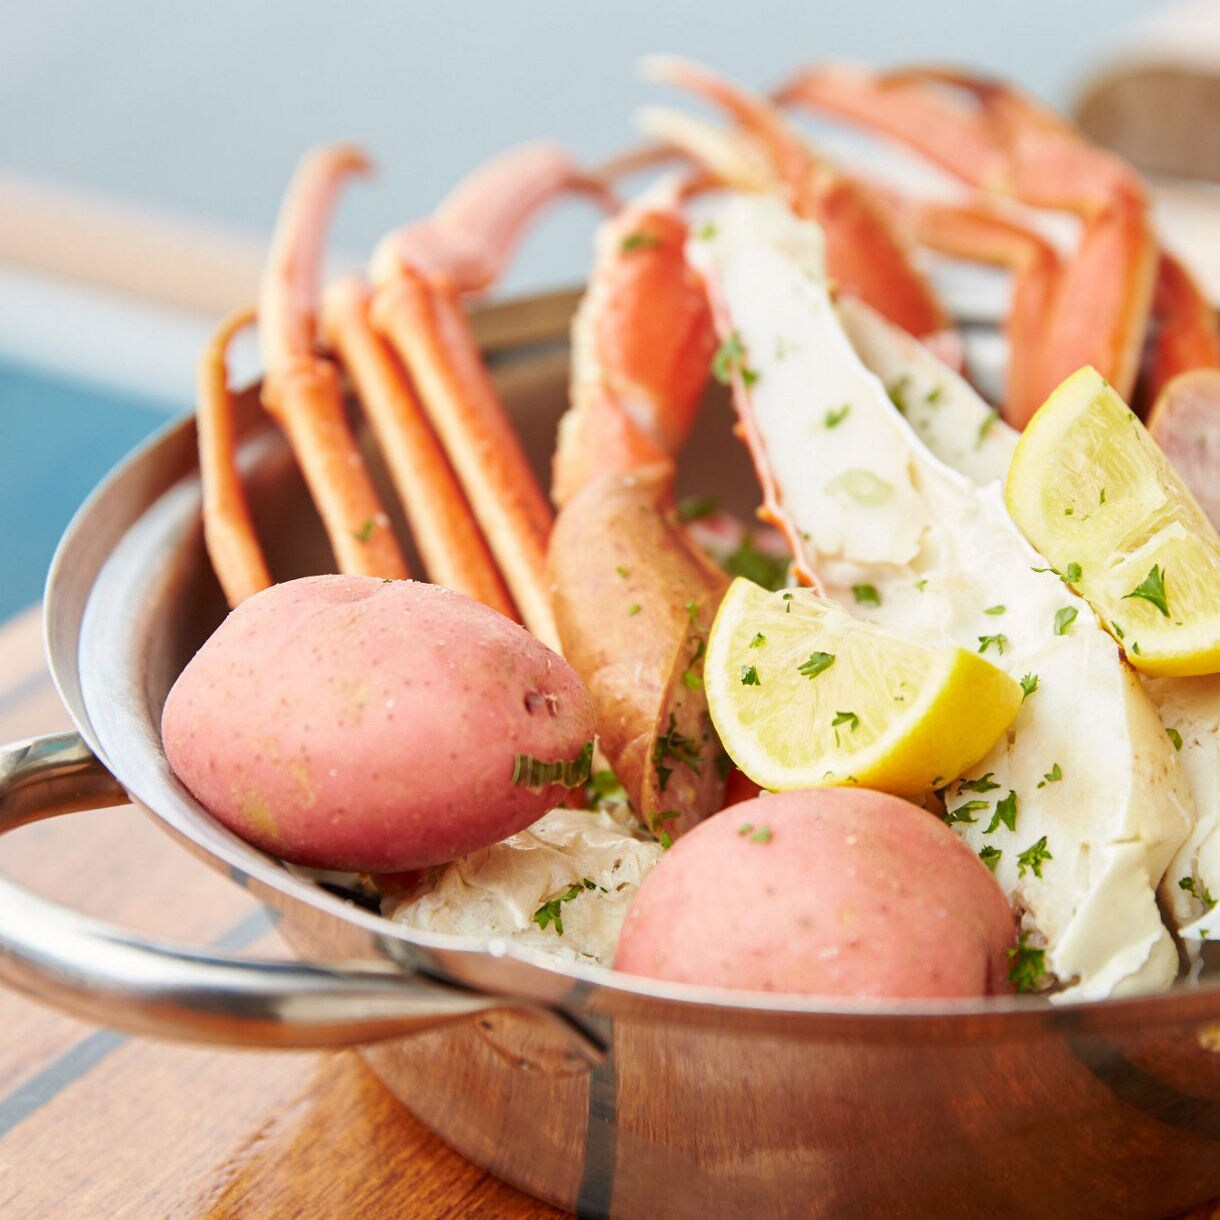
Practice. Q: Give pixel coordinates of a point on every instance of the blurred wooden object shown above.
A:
(1156, 98)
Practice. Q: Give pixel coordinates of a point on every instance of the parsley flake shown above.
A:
(640, 240)
(1033, 858)
(848, 718)
(1175, 737)
(985, 783)
(990, 856)
(834, 418)
(897, 390)
(769, 571)
(706, 231)
(730, 358)
(985, 427)
(1064, 618)
(676, 745)
(692, 680)
(758, 641)
(1053, 776)
(749, 676)
(622, 570)
(998, 642)
(817, 663)
(1005, 812)
(995, 610)
(1029, 684)
(550, 914)
(1071, 573)
(866, 595)
(1152, 589)
(965, 813)
(537, 774)
(633, 609)
(365, 532)
(761, 834)
(745, 828)
(695, 508)
(933, 396)
(1201, 892)
(1028, 965)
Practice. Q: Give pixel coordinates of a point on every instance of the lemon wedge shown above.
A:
(803, 695)
(1092, 492)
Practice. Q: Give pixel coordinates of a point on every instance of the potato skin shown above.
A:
(833, 892)
(347, 722)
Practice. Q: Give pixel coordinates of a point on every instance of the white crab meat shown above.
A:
(964, 433)
(1087, 761)
(561, 886)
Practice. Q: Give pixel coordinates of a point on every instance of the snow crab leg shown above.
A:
(1093, 307)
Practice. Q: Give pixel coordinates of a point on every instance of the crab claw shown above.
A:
(633, 614)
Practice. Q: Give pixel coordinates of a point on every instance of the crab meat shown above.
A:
(868, 503)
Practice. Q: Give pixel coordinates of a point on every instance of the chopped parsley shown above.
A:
(933, 396)
(1053, 776)
(985, 427)
(1152, 589)
(984, 783)
(639, 240)
(759, 640)
(656, 823)
(695, 508)
(835, 417)
(788, 600)
(1118, 631)
(1028, 965)
(677, 746)
(998, 642)
(691, 680)
(622, 570)
(536, 774)
(990, 856)
(897, 390)
(1175, 737)
(921, 585)
(1201, 892)
(1071, 572)
(1064, 618)
(550, 914)
(365, 532)
(769, 571)
(818, 662)
(1101, 497)
(1033, 858)
(1029, 684)
(866, 595)
(761, 834)
(749, 676)
(862, 486)
(633, 609)
(965, 813)
(603, 788)
(995, 610)
(706, 231)
(848, 718)
(1005, 812)
(730, 358)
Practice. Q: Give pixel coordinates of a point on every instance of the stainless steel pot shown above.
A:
(605, 1094)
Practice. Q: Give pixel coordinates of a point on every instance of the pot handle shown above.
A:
(145, 986)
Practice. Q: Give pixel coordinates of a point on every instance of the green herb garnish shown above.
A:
(550, 914)
(730, 358)
(1005, 812)
(365, 532)
(639, 241)
(1028, 965)
(965, 813)
(866, 595)
(1029, 684)
(1053, 776)
(537, 774)
(985, 783)
(695, 508)
(749, 676)
(769, 571)
(1033, 858)
(998, 642)
(834, 418)
(1064, 618)
(817, 663)
(1152, 589)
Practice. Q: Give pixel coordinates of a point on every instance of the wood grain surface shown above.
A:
(96, 1124)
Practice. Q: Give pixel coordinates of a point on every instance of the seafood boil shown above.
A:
(562, 749)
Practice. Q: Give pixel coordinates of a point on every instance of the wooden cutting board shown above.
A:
(96, 1124)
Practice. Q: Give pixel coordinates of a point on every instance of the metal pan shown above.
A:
(601, 1093)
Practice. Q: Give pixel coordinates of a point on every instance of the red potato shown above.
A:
(828, 891)
(347, 722)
